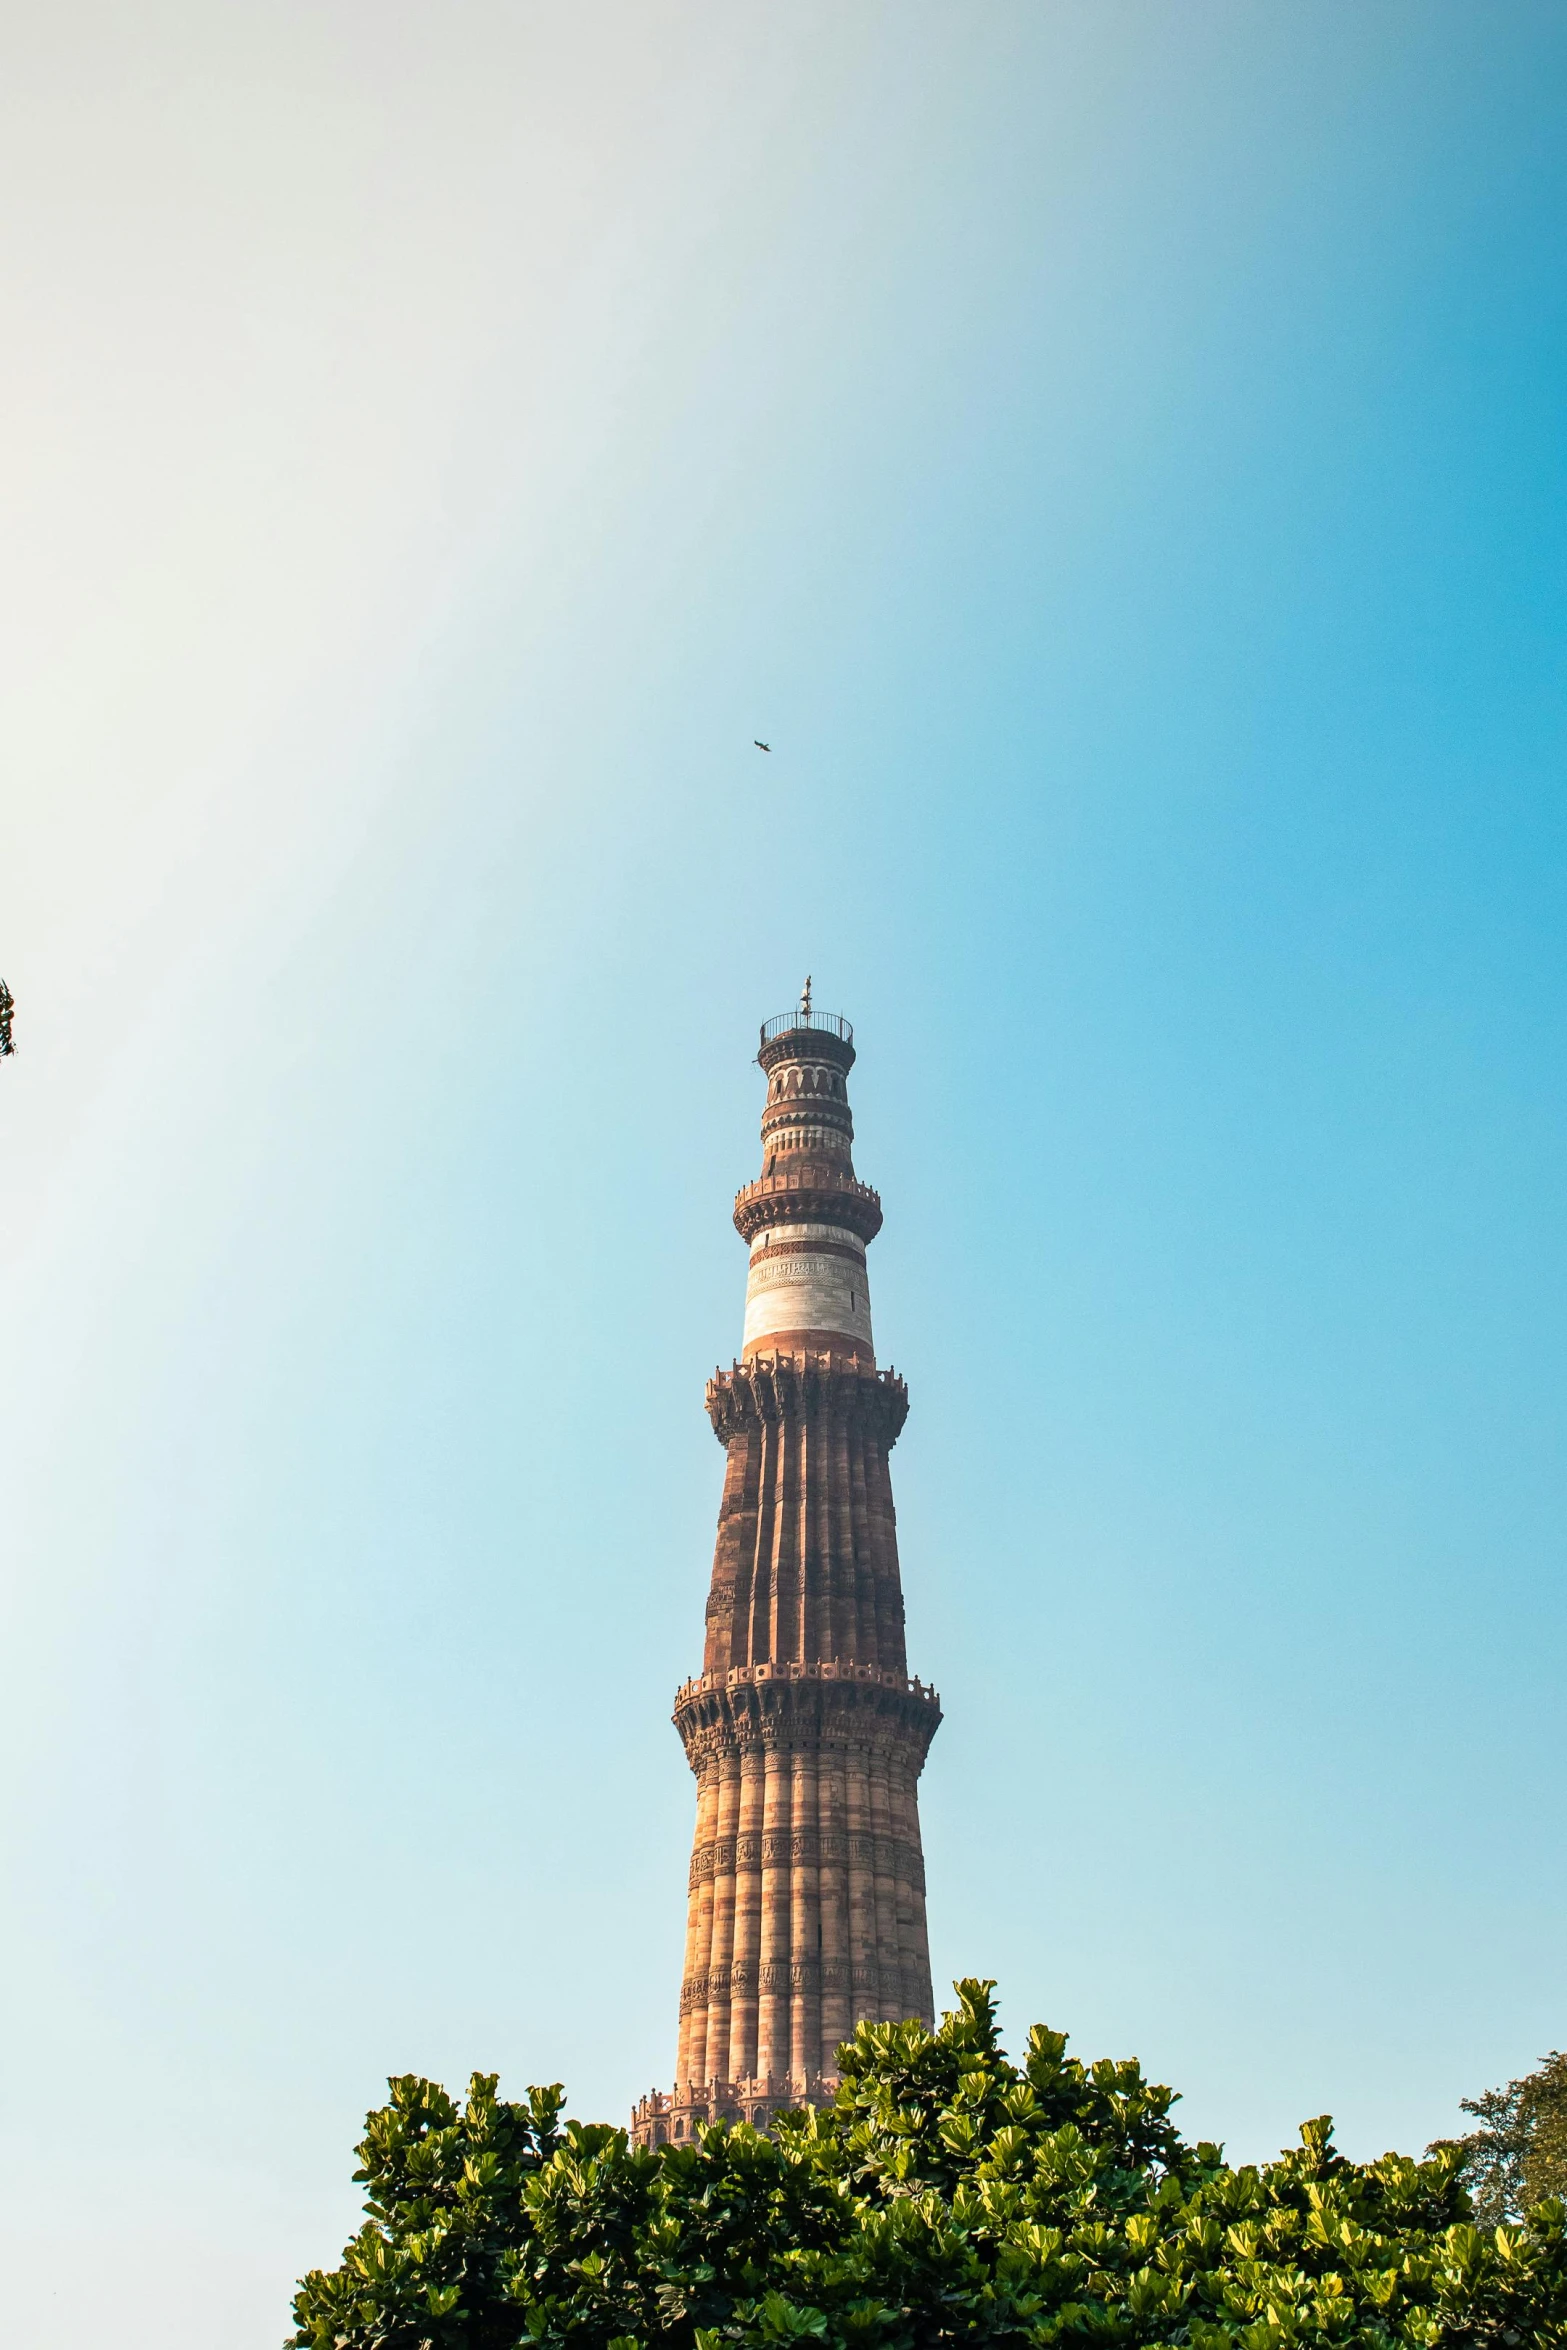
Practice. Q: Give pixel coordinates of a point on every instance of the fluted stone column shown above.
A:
(690, 2063)
(748, 1920)
(884, 1866)
(805, 1965)
(806, 1912)
(772, 2007)
(835, 1906)
(715, 2067)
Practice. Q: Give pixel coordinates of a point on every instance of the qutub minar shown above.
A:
(805, 1733)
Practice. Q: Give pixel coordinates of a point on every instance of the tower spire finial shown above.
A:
(805, 996)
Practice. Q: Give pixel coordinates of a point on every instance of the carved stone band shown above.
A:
(878, 1856)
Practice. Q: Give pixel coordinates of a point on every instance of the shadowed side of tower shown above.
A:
(806, 1910)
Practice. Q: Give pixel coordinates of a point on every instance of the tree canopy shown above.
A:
(1518, 2155)
(948, 2196)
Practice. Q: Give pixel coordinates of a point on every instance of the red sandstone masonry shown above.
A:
(806, 1904)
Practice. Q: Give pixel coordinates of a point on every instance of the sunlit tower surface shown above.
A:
(806, 1735)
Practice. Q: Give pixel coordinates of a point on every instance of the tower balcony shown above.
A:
(754, 1705)
(663, 2120)
(785, 1384)
(825, 1669)
(802, 1036)
(819, 1196)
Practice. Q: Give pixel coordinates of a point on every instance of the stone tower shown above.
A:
(803, 1728)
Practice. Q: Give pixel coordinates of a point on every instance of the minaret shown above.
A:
(803, 1728)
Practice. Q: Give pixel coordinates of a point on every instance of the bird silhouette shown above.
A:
(761, 746)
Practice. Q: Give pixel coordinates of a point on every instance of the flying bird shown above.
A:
(761, 746)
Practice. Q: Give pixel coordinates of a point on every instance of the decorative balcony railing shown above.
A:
(829, 1023)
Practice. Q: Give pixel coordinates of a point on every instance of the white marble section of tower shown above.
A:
(807, 1279)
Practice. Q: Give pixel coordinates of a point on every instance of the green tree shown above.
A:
(948, 2196)
(1518, 2155)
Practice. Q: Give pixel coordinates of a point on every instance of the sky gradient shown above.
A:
(1115, 455)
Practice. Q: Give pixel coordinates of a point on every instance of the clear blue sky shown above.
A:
(1115, 455)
